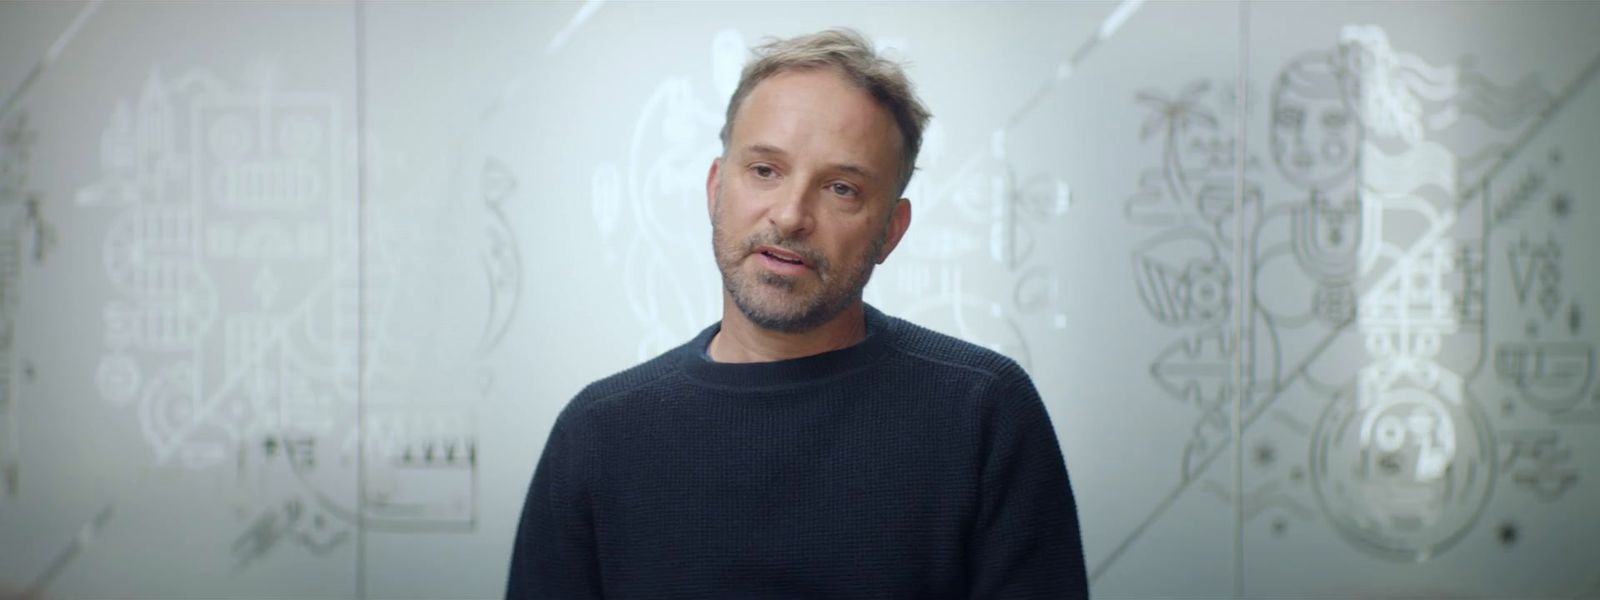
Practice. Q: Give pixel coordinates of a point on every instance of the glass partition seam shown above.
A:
(361, 297)
(10, 457)
(1242, 284)
(49, 57)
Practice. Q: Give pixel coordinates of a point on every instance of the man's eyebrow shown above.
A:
(765, 150)
(856, 170)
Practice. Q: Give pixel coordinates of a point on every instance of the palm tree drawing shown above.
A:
(1175, 116)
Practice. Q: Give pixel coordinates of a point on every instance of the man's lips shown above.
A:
(782, 255)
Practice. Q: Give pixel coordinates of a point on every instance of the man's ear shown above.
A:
(899, 222)
(712, 188)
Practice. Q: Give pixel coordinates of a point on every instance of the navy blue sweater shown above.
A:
(911, 465)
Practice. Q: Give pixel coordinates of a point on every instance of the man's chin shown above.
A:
(786, 315)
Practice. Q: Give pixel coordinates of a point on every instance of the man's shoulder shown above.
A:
(978, 376)
(938, 350)
(643, 376)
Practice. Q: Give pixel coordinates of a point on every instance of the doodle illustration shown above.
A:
(251, 316)
(1357, 243)
(654, 204)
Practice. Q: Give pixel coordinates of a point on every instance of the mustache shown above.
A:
(773, 238)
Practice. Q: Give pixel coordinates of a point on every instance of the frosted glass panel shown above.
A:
(1419, 251)
(290, 294)
(179, 274)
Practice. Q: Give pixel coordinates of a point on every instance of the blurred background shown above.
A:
(290, 293)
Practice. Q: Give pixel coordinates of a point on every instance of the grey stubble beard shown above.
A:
(828, 303)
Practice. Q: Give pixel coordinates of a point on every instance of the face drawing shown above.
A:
(1315, 133)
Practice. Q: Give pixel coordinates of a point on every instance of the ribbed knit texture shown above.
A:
(911, 465)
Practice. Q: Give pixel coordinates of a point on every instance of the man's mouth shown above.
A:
(781, 255)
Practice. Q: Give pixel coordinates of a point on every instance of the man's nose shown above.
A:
(790, 212)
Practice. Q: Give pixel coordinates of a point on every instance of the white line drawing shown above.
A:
(205, 178)
(1352, 132)
(1536, 273)
(1404, 472)
(1417, 473)
(233, 334)
(1539, 463)
(501, 256)
(1193, 182)
(422, 467)
(287, 521)
(660, 190)
(1551, 376)
(1183, 279)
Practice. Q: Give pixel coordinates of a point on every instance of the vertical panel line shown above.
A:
(14, 98)
(361, 298)
(1242, 293)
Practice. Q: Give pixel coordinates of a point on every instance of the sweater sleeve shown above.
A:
(554, 554)
(1025, 541)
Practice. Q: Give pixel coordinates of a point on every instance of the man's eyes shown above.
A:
(839, 188)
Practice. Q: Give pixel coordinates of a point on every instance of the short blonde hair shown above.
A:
(853, 55)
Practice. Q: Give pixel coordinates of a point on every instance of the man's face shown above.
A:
(803, 203)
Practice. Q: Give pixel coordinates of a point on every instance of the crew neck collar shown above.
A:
(697, 364)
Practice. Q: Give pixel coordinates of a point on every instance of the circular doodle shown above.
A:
(118, 379)
(1207, 286)
(1403, 475)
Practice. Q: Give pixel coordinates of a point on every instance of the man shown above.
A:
(808, 446)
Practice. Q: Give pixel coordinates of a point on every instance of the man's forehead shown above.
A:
(795, 106)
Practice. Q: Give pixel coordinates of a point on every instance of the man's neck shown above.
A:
(742, 341)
